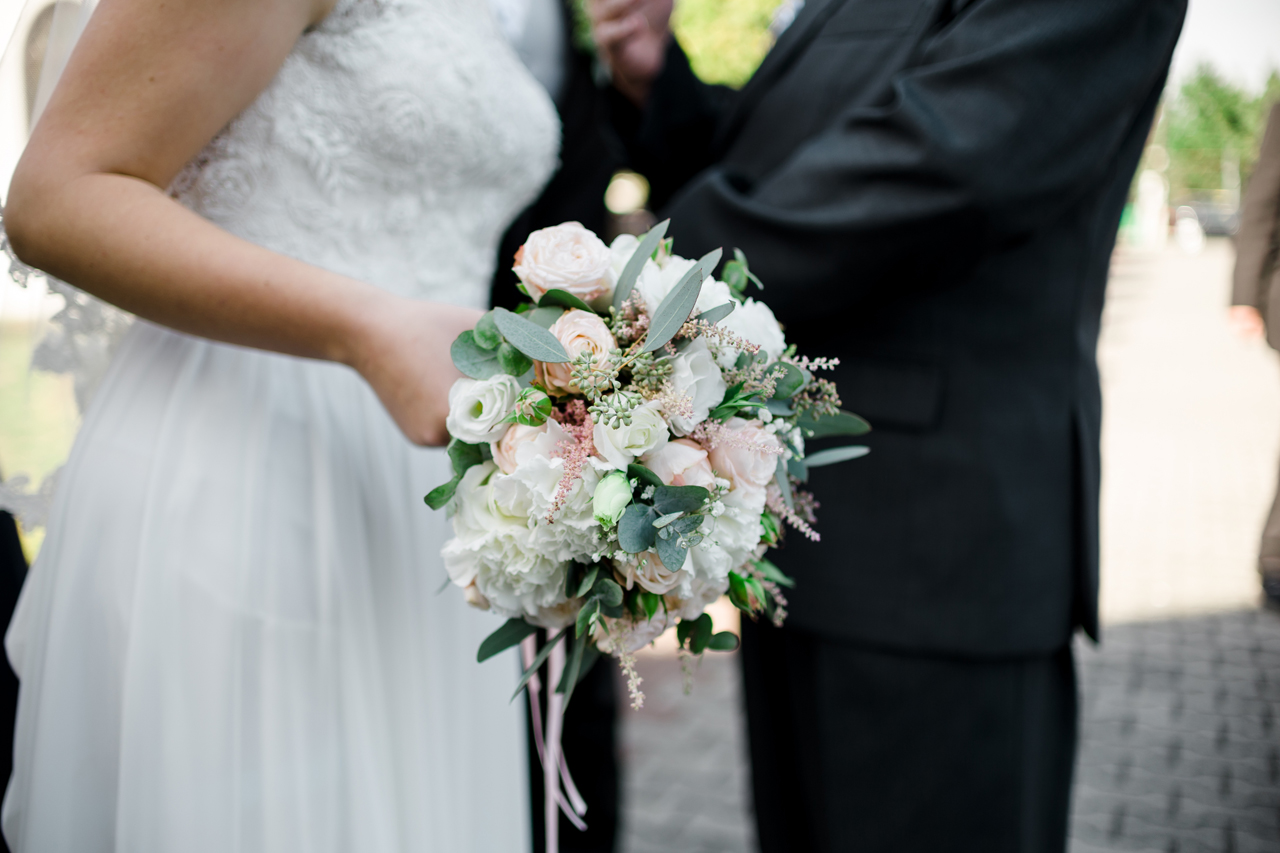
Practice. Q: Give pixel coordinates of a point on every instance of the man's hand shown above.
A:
(632, 36)
(1246, 321)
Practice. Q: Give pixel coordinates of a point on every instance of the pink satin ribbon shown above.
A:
(554, 769)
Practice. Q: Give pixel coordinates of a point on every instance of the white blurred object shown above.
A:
(1151, 211)
(1188, 231)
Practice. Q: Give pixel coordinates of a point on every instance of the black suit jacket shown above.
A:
(930, 191)
(1256, 280)
(590, 153)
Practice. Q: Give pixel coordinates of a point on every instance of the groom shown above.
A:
(930, 191)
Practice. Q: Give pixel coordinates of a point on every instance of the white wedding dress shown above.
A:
(235, 637)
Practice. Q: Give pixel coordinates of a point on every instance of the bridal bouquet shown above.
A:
(630, 443)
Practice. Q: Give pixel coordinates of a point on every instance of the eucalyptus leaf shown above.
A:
(544, 317)
(780, 408)
(671, 552)
(844, 423)
(512, 360)
(564, 298)
(724, 641)
(784, 484)
(635, 528)
(669, 499)
(789, 383)
(530, 338)
(674, 310)
(835, 454)
(511, 633)
(718, 313)
(627, 280)
(636, 471)
(486, 332)
(608, 591)
(472, 359)
(708, 262)
(796, 468)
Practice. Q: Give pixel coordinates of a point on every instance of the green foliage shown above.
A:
(725, 39)
(1209, 127)
(511, 632)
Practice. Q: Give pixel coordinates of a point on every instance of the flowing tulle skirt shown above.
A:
(234, 638)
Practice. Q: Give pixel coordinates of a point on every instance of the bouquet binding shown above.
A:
(626, 447)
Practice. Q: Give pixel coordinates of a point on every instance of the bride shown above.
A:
(232, 640)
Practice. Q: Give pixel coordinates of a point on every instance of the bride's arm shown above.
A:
(150, 82)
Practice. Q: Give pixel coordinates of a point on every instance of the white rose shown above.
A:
(619, 446)
(755, 322)
(620, 252)
(565, 257)
(630, 635)
(477, 407)
(694, 374)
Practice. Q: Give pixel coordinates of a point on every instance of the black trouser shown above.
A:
(854, 749)
(13, 570)
(590, 750)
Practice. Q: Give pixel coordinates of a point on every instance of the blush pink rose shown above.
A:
(682, 462)
(743, 457)
(564, 257)
(504, 449)
(579, 331)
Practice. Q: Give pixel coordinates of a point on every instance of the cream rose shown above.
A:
(695, 375)
(682, 463)
(579, 331)
(619, 446)
(478, 406)
(504, 449)
(743, 457)
(565, 257)
(647, 571)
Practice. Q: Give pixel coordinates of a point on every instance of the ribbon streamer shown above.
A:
(554, 769)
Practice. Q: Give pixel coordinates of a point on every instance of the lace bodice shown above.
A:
(395, 145)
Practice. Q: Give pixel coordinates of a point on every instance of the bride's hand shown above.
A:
(402, 351)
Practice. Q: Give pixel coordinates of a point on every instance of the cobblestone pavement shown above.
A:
(1180, 747)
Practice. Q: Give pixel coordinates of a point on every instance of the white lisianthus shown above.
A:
(655, 282)
(565, 257)
(695, 375)
(694, 595)
(631, 635)
(755, 322)
(713, 294)
(478, 406)
(619, 446)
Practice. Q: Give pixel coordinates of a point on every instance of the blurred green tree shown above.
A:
(725, 39)
(1212, 129)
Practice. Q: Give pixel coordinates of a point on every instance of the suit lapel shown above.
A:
(806, 26)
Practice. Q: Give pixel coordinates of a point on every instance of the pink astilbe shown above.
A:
(674, 405)
(805, 363)
(711, 434)
(575, 451)
(776, 505)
